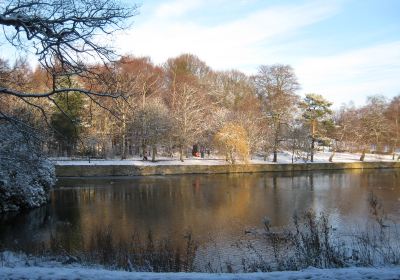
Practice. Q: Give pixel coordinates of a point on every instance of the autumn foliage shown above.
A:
(232, 140)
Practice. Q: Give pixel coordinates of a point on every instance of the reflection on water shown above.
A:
(216, 206)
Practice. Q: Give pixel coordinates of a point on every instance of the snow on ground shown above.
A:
(19, 266)
(44, 273)
(284, 158)
(139, 162)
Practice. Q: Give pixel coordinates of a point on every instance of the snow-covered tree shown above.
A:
(393, 116)
(297, 140)
(373, 122)
(276, 86)
(151, 125)
(26, 176)
(187, 100)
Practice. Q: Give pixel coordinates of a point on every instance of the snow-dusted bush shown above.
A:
(26, 176)
(233, 140)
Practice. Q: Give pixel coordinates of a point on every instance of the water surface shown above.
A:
(217, 207)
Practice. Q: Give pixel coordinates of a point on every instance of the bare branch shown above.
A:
(17, 93)
(64, 32)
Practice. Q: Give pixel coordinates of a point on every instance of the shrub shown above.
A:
(232, 139)
(26, 176)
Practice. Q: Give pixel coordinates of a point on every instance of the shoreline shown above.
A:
(69, 272)
(124, 170)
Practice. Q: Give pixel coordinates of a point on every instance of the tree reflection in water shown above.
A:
(218, 206)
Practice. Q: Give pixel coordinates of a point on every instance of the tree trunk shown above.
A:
(332, 155)
(123, 140)
(232, 157)
(103, 150)
(153, 156)
(123, 147)
(313, 127)
(144, 151)
(276, 142)
(265, 153)
(362, 155)
(312, 148)
(293, 151)
(181, 153)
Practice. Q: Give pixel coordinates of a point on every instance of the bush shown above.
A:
(26, 176)
(233, 140)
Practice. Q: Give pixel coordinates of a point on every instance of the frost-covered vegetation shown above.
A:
(313, 242)
(15, 266)
(26, 176)
(18, 266)
(309, 242)
(184, 108)
(128, 106)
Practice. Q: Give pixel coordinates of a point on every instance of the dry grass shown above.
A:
(137, 254)
(312, 242)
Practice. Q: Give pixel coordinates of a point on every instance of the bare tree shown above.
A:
(187, 99)
(62, 34)
(364, 126)
(151, 126)
(393, 115)
(65, 30)
(276, 85)
(188, 112)
(297, 140)
(374, 121)
(234, 91)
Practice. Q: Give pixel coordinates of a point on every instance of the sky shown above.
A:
(345, 50)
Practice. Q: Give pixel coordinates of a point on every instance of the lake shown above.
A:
(213, 207)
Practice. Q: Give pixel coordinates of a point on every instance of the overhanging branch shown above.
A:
(20, 94)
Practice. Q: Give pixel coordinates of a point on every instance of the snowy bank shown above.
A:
(283, 158)
(132, 167)
(20, 266)
(43, 273)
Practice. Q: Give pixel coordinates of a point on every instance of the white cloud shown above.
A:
(176, 8)
(243, 43)
(353, 75)
(266, 36)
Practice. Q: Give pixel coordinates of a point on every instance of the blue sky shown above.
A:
(345, 50)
